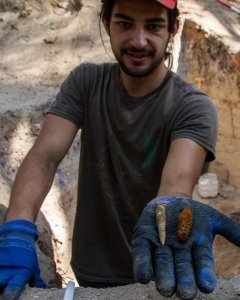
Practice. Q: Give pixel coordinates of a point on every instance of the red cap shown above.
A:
(168, 3)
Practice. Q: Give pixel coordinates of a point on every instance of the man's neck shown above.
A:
(141, 86)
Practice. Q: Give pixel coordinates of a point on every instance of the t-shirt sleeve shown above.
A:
(197, 120)
(69, 103)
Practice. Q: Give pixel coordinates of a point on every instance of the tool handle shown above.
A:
(69, 292)
(236, 9)
(225, 3)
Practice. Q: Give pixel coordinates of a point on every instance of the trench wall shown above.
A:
(206, 61)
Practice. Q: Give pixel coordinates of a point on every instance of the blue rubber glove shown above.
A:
(18, 258)
(180, 267)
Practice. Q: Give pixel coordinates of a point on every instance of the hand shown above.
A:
(179, 266)
(18, 258)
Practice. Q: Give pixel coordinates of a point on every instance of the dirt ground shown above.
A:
(228, 289)
(40, 42)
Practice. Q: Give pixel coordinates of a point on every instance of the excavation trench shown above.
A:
(200, 58)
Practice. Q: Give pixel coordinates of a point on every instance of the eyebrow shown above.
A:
(157, 19)
(122, 16)
(125, 17)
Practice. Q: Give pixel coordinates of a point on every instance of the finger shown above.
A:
(164, 271)
(11, 295)
(204, 265)
(4, 278)
(16, 284)
(228, 228)
(142, 260)
(186, 284)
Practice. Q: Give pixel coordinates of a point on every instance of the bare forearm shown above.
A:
(182, 168)
(36, 174)
(32, 183)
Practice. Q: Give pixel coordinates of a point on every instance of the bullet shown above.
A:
(185, 220)
(161, 223)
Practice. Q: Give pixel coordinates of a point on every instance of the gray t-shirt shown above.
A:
(125, 142)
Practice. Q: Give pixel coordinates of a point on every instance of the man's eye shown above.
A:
(155, 27)
(124, 25)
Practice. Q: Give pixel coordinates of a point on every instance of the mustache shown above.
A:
(132, 50)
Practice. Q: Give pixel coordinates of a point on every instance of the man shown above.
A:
(145, 136)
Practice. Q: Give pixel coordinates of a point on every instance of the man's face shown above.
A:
(139, 36)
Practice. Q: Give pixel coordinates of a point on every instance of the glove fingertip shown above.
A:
(141, 278)
(207, 281)
(186, 294)
(12, 294)
(142, 273)
(166, 291)
(165, 283)
(207, 287)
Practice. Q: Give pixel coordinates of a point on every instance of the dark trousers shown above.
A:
(98, 285)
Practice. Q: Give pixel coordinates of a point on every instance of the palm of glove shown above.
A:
(18, 259)
(177, 266)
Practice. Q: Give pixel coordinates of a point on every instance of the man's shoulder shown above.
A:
(186, 88)
(181, 83)
(89, 74)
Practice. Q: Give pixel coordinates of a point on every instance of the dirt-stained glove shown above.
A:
(182, 261)
(18, 258)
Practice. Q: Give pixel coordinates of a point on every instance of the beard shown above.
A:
(135, 70)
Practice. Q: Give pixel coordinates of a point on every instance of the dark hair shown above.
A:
(106, 11)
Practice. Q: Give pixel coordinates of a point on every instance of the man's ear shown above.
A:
(106, 26)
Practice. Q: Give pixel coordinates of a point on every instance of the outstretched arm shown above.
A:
(173, 238)
(18, 257)
(36, 174)
(157, 255)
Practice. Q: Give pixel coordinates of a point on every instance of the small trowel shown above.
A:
(229, 6)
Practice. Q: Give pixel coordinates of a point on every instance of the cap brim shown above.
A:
(168, 3)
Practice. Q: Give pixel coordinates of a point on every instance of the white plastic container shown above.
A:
(208, 185)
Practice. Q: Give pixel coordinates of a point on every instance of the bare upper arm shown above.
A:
(182, 168)
(55, 138)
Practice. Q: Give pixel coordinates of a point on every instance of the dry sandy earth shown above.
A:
(40, 42)
(228, 289)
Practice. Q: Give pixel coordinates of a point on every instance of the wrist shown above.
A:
(20, 228)
(164, 200)
(17, 213)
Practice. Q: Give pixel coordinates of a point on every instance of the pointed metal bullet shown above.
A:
(161, 222)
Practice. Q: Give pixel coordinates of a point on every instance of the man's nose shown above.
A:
(139, 38)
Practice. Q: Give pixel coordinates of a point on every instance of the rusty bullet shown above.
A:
(185, 220)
